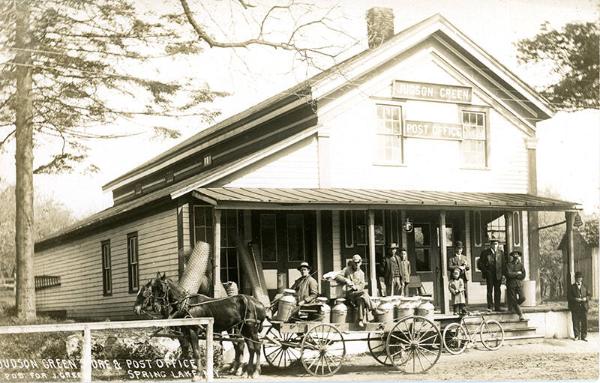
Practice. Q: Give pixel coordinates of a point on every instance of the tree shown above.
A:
(573, 55)
(65, 62)
(50, 216)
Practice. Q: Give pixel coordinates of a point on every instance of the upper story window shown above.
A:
(389, 134)
(474, 145)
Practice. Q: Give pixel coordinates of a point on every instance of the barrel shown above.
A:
(287, 304)
(339, 312)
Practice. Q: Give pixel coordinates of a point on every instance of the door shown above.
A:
(284, 240)
(424, 257)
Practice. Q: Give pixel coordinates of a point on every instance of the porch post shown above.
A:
(508, 220)
(319, 248)
(444, 296)
(468, 245)
(570, 217)
(217, 251)
(372, 275)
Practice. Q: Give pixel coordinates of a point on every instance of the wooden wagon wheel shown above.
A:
(323, 350)
(414, 344)
(281, 349)
(376, 343)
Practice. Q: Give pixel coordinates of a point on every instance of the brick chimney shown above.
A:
(380, 25)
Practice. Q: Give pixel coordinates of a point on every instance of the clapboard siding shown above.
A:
(79, 264)
(349, 116)
(294, 167)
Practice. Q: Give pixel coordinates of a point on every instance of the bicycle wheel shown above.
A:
(492, 334)
(455, 338)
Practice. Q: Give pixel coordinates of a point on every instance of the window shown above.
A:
(473, 145)
(106, 269)
(268, 237)
(389, 134)
(207, 160)
(295, 237)
(517, 228)
(229, 259)
(132, 262)
(496, 229)
(422, 245)
(348, 229)
(203, 225)
(477, 228)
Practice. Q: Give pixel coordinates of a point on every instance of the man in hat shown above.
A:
(515, 273)
(459, 261)
(391, 272)
(578, 297)
(491, 264)
(307, 288)
(354, 278)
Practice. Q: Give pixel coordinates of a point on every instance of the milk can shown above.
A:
(386, 310)
(286, 305)
(339, 311)
(325, 310)
(426, 308)
(406, 307)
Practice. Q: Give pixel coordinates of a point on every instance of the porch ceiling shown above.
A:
(336, 199)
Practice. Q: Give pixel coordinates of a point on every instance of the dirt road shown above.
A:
(553, 359)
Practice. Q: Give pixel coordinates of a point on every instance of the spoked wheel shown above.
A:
(455, 338)
(414, 345)
(285, 353)
(492, 334)
(376, 343)
(323, 350)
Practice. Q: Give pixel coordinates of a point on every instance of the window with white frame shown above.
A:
(473, 145)
(106, 268)
(132, 262)
(389, 134)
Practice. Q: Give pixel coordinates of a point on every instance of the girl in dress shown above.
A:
(457, 289)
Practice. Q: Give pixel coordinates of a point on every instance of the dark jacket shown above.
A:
(307, 289)
(513, 277)
(487, 264)
(575, 292)
(389, 265)
(456, 261)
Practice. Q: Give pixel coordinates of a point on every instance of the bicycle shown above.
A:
(457, 336)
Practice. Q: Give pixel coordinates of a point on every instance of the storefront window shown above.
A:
(496, 229)
(422, 245)
(473, 145)
(268, 237)
(389, 134)
(517, 228)
(229, 259)
(203, 224)
(295, 237)
(348, 229)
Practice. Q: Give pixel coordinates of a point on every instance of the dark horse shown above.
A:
(242, 315)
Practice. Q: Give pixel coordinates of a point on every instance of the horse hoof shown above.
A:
(255, 375)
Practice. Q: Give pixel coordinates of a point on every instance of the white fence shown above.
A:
(86, 328)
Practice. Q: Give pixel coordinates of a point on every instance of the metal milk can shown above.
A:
(286, 305)
(339, 311)
(426, 308)
(386, 309)
(325, 310)
(405, 308)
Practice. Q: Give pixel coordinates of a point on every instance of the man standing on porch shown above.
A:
(491, 264)
(391, 272)
(459, 261)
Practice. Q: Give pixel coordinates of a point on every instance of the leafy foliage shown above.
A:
(50, 216)
(574, 55)
(551, 259)
(83, 55)
(589, 231)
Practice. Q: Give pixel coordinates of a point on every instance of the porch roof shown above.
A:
(338, 198)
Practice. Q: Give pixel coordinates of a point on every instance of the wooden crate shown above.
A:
(332, 289)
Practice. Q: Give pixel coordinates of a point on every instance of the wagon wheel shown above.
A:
(455, 338)
(376, 343)
(414, 345)
(492, 334)
(281, 350)
(323, 350)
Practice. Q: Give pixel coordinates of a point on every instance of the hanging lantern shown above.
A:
(578, 222)
(407, 226)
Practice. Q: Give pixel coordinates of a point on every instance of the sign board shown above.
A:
(433, 130)
(434, 92)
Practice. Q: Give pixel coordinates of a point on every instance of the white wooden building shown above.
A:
(425, 127)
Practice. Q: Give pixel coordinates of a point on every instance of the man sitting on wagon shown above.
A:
(307, 288)
(354, 278)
